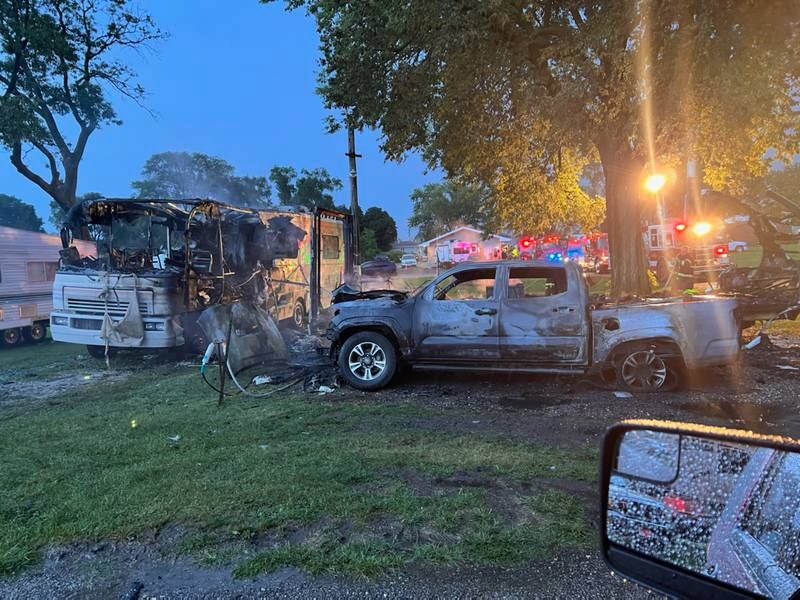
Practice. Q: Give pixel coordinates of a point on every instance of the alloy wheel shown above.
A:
(644, 371)
(367, 361)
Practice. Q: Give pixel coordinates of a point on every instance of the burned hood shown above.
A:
(347, 293)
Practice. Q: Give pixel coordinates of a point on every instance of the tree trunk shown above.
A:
(623, 217)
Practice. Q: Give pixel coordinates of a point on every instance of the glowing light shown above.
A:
(701, 228)
(680, 227)
(655, 182)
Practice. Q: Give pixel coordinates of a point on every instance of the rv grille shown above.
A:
(98, 307)
(91, 324)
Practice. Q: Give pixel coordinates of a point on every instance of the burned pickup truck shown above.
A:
(527, 317)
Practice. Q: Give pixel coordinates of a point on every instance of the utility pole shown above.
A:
(352, 156)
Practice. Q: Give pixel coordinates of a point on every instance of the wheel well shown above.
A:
(384, 330)
(664, 347)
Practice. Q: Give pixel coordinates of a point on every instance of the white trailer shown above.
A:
(28, 264)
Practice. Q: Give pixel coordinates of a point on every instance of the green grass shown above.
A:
(556, 521)
(75, 469)
(752, 256)
(46, 357)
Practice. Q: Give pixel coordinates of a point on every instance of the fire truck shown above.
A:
(696, 244)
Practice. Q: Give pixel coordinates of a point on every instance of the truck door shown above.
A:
(457, 317)
(543, 317)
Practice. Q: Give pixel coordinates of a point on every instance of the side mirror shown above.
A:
(702, 512)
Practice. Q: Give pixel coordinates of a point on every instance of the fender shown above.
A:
(370, 322)
(606, 341)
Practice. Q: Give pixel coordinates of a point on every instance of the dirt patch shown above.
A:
(13, 391)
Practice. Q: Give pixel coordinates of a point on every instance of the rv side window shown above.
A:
(330, 246)
(41, 271)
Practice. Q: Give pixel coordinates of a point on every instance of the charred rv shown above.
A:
(160, 263)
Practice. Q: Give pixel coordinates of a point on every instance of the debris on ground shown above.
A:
(623, 395)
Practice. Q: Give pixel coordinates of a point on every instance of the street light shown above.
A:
(701, 228)
(655, 182)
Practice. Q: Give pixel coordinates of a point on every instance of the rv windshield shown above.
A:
(141, 241)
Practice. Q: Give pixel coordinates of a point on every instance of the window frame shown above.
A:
(325, 249)
(510, 276)
(498, 276)
(44, 273)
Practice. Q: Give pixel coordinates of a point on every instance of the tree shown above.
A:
(283, 179)
(519, 95)
(16, 213)
(195, 175)
(58, 216)
(59, 60)
(785, 180)
(312, 188)
(383, 226)
(440, 207)
(368, 246)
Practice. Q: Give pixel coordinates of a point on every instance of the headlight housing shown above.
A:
(153, 326)
(62, 321)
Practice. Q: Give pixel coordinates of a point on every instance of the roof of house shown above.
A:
(502, 238)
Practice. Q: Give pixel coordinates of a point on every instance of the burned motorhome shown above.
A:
(160, 263)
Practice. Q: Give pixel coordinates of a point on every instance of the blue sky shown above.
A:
(236, 82)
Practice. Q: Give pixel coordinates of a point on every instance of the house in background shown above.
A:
(406, 247)
(462, 244)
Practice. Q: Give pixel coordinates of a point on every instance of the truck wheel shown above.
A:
(11, 337)
(299, 314)
(36, 333)
(640, 369)
(99, 352)
(367, 360)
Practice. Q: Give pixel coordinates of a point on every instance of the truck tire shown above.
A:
(99, 352)
(367, 360)
(640, 369)
(36, 333)
(11, 337)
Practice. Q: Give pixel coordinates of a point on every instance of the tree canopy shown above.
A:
(59, 62)
(520, 95)
(311, 188)
(196, 175)
(17, 213)
(382, 224)
(440, 207)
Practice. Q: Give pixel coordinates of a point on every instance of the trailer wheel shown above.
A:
(11, 337)
(367, 360)
(36, 333)
(299, 314)
(99, 352)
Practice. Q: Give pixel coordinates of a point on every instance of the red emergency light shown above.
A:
(721, 251)
(680, 226)
(526, 242)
